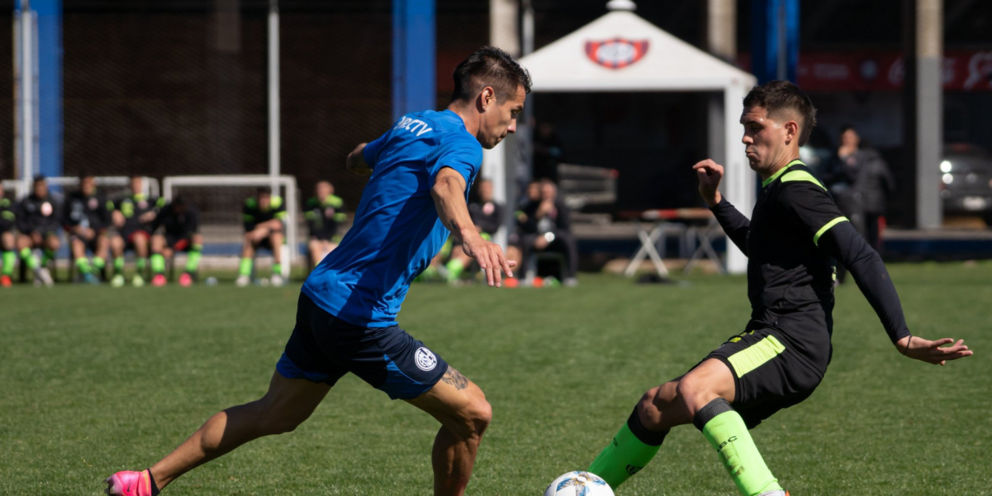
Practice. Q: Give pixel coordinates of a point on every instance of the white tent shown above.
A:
(620, 51)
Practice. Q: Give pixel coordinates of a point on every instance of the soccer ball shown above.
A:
(579, 484)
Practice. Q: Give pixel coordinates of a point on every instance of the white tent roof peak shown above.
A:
(621, 5)
(621, 51)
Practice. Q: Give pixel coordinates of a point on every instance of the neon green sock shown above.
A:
(8, 262)
(29, 258)
(277, 268)
(245, 268)
(193, 259)
(118, 265)
(158, 263)
(84, 265)
(455, 268)
(631, 450)
(140, 264)
(99, 263)
(47, 255)
(727, 433)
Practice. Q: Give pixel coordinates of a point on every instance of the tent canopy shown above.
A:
(665, 63)
(620, 51)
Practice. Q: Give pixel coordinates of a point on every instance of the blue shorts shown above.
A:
(324, 348)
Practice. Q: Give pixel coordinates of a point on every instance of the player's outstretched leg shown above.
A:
(702, 397)
(707, 392)
(285, 406)
(464, 413)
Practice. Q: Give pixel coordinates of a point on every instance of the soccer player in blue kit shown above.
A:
(421, 170)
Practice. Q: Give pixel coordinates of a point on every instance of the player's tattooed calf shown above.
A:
(455, 378)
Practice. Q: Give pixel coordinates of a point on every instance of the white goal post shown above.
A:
(285, 183)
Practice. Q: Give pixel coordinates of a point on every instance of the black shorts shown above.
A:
(129, 236)
(768, 375)
(179, 243)
(43, 231)
(265, 243)
(90, 244)
(324, 348)
(323, 235)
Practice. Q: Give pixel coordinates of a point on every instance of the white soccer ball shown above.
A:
(579, 484)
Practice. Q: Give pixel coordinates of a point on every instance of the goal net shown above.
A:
(219, 200)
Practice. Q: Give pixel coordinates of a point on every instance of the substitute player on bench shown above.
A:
(346, 317)
(323, 213)
(181, 232)
(784, 350)
(87, 217)
(264, 217)
(133, 217)
(38, 222)
(8, 240)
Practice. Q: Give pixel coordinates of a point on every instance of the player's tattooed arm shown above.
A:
(449, 199)
(455, 378)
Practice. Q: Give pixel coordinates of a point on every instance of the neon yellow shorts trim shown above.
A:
(756, 355)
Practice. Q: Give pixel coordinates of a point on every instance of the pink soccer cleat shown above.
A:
(185, 279)
(129, 483)
(159, 280)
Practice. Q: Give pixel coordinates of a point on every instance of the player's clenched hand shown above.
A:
(709, 173)
(490, 257)
(933, 351)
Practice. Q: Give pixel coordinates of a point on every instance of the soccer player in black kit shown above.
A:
(323, 213)
(264, 215)
(8, 240)
(133, 216)
(782, 354)
(86, 216)
(38, 222)
(181, 225)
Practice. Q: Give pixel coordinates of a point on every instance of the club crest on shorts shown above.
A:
(616, 53)
(426, 360)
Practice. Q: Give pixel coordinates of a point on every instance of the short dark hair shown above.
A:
(39, 178)
(489, 66)
(776, 96)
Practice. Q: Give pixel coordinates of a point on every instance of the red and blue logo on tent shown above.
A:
(616, 53)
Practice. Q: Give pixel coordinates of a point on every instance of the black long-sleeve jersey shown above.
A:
(175, 224)
(36, 214)
(132, 208)
(323, 216)
(794, 231)
(253, 214)
(87, 211)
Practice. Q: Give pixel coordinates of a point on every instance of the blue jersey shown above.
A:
(397, 230)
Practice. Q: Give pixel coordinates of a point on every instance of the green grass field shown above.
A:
(95, 380)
